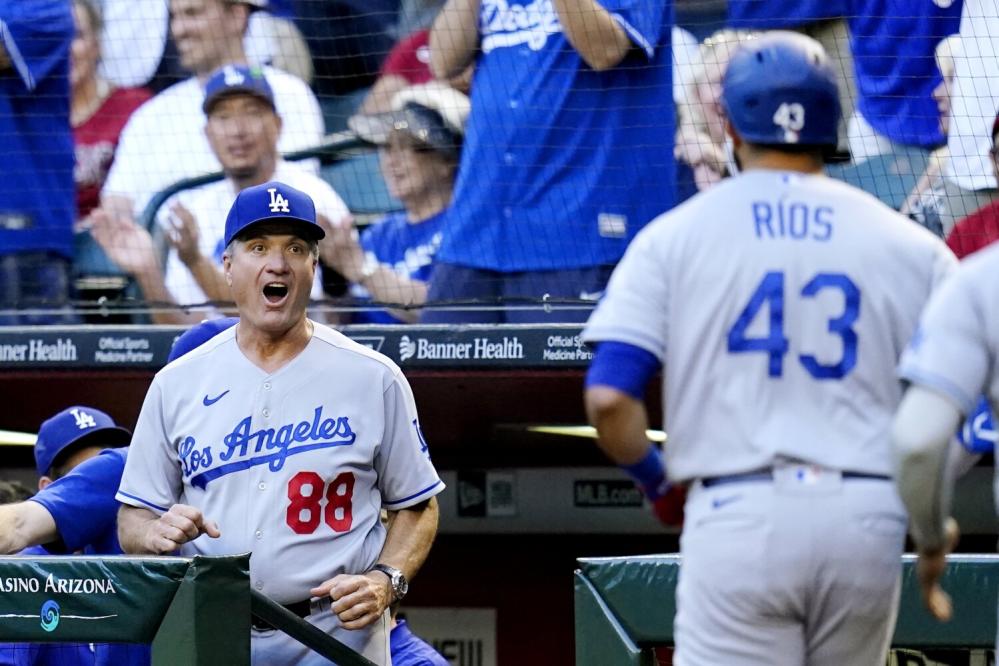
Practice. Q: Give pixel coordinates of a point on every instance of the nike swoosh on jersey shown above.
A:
(719, 502)
(208, 402)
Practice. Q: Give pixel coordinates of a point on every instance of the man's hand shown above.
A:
(179, 525)
(358, 600)
(341, 248)
(126, 243)
(183, 234)
(929, 568)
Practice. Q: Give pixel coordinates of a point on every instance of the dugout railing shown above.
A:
(193, 611)
(624, 607)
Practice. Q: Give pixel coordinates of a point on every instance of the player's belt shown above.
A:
(299, 608)
(768, 475)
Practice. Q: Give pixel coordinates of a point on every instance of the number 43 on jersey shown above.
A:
(771, 292)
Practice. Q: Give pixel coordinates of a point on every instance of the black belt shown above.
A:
(299, 608)
(768, 475)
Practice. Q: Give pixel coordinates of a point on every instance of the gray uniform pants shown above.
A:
(805, 569)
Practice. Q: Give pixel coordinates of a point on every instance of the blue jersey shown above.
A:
(562, 164)
(83, 506)
(85, 511)
(409, 649)
(774, 14)
(37, 192)
(408, 249)
(893, 44)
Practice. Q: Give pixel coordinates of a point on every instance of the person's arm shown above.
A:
(25, 524)
(454, 38)
(923, 427)
(379, 99)
(141, 531)
(184, 237)
(598, 38)
(4, 58)
(359, 600)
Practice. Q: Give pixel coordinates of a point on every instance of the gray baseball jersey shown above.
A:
(294, 465)
(955, 348)
(779, 304)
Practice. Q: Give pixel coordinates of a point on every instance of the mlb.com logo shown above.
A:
(422, 349)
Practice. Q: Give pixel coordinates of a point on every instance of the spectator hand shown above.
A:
(358, 600)
(126, 243)
(179, 525)
(341, 249)
(183, 234)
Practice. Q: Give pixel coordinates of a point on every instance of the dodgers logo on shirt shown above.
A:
(503, 24)
(244, 448)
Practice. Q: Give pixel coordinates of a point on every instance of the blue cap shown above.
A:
(72, 425)
(198, 335)
(273, 202)
(234, 80)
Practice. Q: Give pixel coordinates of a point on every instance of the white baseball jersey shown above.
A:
(294, 465)
(779, 304)
(955, 348)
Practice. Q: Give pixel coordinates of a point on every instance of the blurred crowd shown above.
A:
(498, 154)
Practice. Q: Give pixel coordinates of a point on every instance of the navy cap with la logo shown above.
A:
(273, 202)
(76, 427)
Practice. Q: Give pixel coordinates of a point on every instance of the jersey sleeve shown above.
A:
(405, 474)
(642, 20)
(36, 36)
(82, 503)
(633, 309)
(948, 352)
(152, 474)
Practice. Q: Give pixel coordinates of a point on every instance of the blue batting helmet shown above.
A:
(780, 89)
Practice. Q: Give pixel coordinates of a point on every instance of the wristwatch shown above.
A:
(400, 586)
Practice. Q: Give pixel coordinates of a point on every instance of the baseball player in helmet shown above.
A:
(776, 305)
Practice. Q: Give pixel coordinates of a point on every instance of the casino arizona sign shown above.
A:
(53, 585)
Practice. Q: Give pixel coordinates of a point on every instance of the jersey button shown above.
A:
(267, 386)
(262, 485)
(259, 534)
(259, 585)
(266, 413)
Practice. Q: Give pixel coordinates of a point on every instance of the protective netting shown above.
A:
(469, 160)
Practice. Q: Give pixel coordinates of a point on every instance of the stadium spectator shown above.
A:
(98, 108)
(896, 74)
(36, 172)
(420, 145)
(407, 64)
(969, 183)
(926, 201)
(163, 142)
(242, 129)
(823, 20)
(13, 491)
(981, 228)
(74, 435)
(567, 125)
(700, 135)
(407, 648)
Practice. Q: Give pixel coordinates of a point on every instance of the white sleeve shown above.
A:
(330, 205)
(405, 474)
(634, 308)
(949, 352)
(132, 40)
(152, 478)
(302, 120)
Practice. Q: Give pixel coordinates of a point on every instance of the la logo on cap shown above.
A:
(233, 77)
(278, 203)
(83, 419)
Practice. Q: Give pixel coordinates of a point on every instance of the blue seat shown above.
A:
(889, 177)
(358, 180)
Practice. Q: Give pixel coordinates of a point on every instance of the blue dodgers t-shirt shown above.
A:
(561, 165)
(893, 44)
(37, 192)
(409, 249)
(409, 649)
(773, 14)
(83, 506)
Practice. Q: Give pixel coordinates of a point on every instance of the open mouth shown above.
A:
(275, 292)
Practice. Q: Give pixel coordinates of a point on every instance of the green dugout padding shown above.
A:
(626, 604)
(194, 611)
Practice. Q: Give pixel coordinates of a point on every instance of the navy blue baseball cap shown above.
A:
(237, 80)
(273, 202)
(74, 427)
(198, 335)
